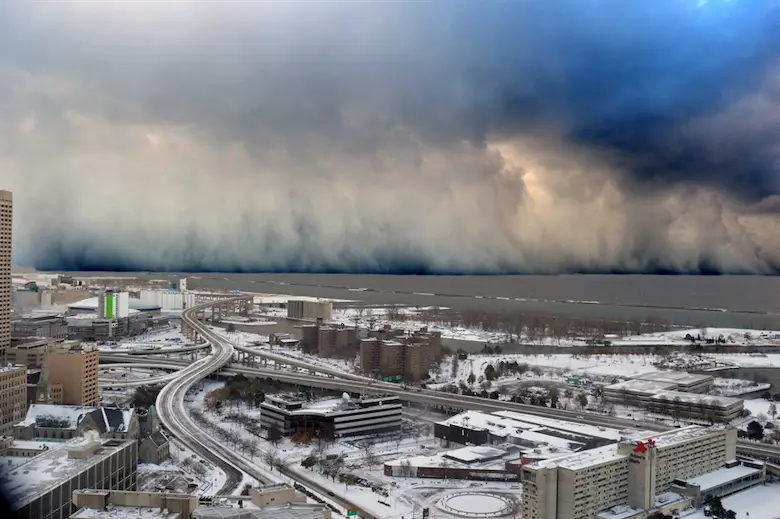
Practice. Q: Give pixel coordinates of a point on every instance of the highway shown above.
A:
(170, 402)
(428, 397)
(173, 414)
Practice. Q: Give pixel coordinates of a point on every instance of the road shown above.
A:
(173, 414)
(434, 398)
(170, 402)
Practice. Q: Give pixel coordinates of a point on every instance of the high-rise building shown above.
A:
(6, 221)
(75, 368)
(13, 396)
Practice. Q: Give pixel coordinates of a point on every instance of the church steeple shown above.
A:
(43, 387)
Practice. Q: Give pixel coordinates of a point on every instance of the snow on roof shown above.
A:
(125, 512)
(694, 398)
(562, 425)
(26, 482)
(92, 303)
(581, 460)
(473, 453)
(682, 378)
(721, 476)
(678, 436)
(645, 387)
(70, 416)
(64, 416)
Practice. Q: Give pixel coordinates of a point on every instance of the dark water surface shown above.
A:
(726, 301)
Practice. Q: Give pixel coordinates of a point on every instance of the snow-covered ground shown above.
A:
(385, 497)
(760, 502)
(606, 365)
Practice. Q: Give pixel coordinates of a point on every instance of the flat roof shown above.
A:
(512, 423)
(648, 387)
(24, 483)
(125, 512)
(289, 511)
(721, 476)
(678, 436)
(678, 377)
(326, 406)
(581, 460)
(474, 453)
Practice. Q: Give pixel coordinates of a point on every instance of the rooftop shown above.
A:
(70, 416)
(327, 405)
(24, 483)
(647, 387)
(289, 511)
(535, 429)
(12, 367)
(721, 476)
(677, 377)
(678, 436)
(125, 512)
(584, 459)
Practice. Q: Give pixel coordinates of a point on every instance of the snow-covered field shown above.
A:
(606, 365)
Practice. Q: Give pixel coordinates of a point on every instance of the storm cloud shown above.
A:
(400, 137)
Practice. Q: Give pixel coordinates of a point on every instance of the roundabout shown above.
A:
(476, 504)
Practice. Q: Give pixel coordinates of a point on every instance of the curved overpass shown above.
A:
(170, 401)
(429, 397)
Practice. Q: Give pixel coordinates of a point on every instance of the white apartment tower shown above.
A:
(6, 220)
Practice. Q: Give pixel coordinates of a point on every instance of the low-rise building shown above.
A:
(332, 418)
(662, 397)
(69, 421)
(154, 448)
(683, 381)
(633, 473)
(111, 504)
(472, 463)
(41, 488)
(50, 325)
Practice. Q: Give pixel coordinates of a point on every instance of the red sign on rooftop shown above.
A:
(640, 448)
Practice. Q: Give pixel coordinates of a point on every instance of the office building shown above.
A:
(331, 418)
(31, 351)
(269, 502)
(6, 224)
(303, 309)
(115, 504)
(42, 487)
(13, 396)
(39, 325)
(662, 397)
(637, 473)
(75, 368)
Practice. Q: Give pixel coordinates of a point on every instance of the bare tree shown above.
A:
(370, 455)
(252, 448)
(270, 458)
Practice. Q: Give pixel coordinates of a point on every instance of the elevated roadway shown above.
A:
(455, 402)
(173, 414)
(170, 401)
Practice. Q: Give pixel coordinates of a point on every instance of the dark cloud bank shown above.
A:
(394, 137)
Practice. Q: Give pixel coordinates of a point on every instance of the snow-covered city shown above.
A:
(385, 412)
